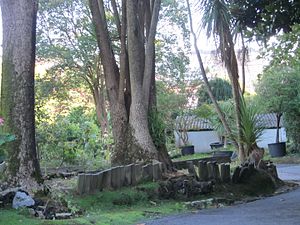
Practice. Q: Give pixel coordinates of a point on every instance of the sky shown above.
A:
(253, 67)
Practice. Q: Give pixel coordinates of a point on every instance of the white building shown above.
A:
(201, 134)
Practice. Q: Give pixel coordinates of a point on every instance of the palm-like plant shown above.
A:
(216, 20)
(251, 126)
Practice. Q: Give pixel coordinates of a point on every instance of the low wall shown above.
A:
(118, 177)
(182, 163)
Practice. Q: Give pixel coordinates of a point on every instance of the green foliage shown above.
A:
(250, 123)
(4, 138)
(278, 87)
(221, 89)
(171, 57)
(251, 126)
(285, 51)
(262, 19)
(157, 128)
(71, 139)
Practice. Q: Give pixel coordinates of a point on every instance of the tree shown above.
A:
(278, 85)
(130, 82)
(17, 91)
(216, 20)
(262, 19)
(205, 79)
(272, 96)
(67, 38)
(221, 89)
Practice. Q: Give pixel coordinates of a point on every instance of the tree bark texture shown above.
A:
(17, 93)
(130, 82)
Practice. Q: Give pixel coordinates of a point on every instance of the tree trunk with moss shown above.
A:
(129, 81)
(17, 91)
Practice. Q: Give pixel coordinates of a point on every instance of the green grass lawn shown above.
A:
(194, 156)
(126, 206)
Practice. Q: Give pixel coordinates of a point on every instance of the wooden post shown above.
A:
(203, 171)
(225, 172)
(81, 183)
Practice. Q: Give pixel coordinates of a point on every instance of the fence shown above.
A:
(118, 177)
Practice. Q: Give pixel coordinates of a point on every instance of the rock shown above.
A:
(196, 204)
(7, 196)
(22, 199)
(236, 175)
(183, 187)
(62, 216)
(2, 167)
(41, 215)
(245, 173)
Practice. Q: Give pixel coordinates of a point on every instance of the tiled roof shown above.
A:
(194, 123)
(269, 120)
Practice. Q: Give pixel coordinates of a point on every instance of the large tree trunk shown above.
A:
(130, 86)
(138, 119)
(17, 93)
(100, 109)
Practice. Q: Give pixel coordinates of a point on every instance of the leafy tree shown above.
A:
(17, 91)
(278, 86)
(217, 22)
(67, 39)
(262, 19)
(72, 139)
(272, 94)
(285, 51)
(221, 89)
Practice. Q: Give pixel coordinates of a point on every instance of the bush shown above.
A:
(72, 139)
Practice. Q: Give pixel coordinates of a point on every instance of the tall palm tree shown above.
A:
(216, 20)
(205, 79)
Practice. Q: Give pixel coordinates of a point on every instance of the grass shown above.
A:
(194, 156)
(125, 206)
(290, 158)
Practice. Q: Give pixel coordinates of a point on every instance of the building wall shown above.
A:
(202, 139)
(269, 136)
